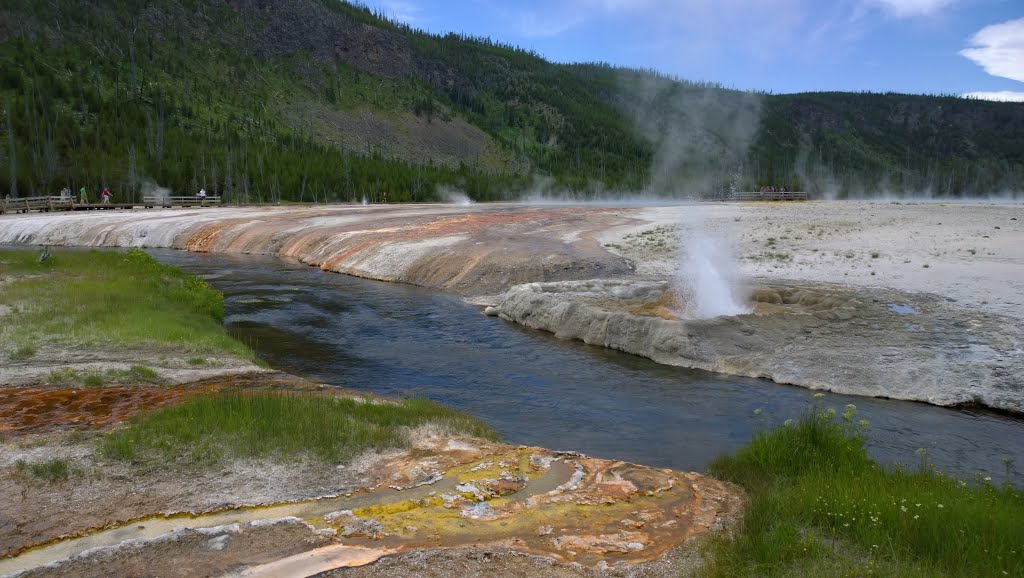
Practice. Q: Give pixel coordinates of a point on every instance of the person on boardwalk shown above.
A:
(83, 198)
(65, 194)
(106, 196)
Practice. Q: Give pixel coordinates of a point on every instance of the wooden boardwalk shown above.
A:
(58, 203)
(168, 202)
(769, 196)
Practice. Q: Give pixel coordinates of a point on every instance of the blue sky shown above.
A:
(916, 46)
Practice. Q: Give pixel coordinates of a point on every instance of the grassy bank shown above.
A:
(819, 505)
(99, 300)
(227, 425)
(133, 306)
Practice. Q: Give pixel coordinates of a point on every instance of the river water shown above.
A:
(534, 389)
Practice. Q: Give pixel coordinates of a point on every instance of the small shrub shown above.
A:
(54, 470)
(874, 255)
(64, 375)
(93, 380)
(24, 352)
(134, 374)
(197, 361)
(144, 373)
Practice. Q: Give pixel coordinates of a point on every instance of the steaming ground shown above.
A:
(972, 253)
(831, 270)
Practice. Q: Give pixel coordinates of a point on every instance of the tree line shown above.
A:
(185, 94)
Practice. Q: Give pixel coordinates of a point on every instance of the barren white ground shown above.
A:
(970, 252)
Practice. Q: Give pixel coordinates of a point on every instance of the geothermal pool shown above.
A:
(400, 340)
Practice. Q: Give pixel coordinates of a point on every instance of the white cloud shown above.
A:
(1000, 96)
(999, 49)
(910, 8)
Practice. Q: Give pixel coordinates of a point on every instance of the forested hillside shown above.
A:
(320, 100)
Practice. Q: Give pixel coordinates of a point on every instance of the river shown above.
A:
(534, 389)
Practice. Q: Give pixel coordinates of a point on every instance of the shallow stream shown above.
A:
(534, 389)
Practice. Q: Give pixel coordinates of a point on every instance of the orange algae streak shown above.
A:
(334, 261)
(607, 511)
(41, 409)
(204, 239)
(284, 234)
(440, 227)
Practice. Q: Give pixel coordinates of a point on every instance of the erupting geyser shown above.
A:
(707, 282)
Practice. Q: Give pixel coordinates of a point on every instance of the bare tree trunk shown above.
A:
(228, 182)
(51, 155)
(213, 176)
(161, 117)
(244, 161)
(12, 156)
(133, 175)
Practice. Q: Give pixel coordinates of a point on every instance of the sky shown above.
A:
(781, 46)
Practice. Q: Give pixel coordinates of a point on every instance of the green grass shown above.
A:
(24, 351)
(208, 429)
(62, 376)
(55, 470)
(819, 505)
(107, 299)
(134, 374)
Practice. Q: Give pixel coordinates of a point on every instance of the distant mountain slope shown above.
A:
(861, 143)
(322, 100)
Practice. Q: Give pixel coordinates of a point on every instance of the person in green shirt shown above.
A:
(82, 197)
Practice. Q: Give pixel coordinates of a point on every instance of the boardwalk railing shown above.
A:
(58, 203)
(26, 204)
(769, 196)
(180, 201)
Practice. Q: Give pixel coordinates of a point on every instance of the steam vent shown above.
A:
(876, 342)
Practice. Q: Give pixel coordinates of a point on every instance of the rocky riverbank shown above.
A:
(876, 342)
